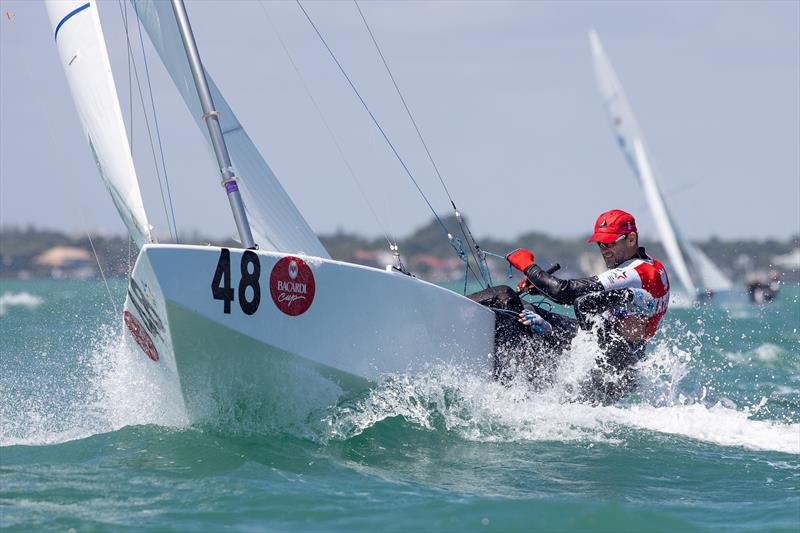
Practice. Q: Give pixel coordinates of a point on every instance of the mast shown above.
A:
(211, 118)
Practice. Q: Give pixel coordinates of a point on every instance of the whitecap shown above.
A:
(716, 424)
(768, 354)
(19, 299)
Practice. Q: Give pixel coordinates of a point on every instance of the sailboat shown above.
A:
(276, 320)
(697, 274)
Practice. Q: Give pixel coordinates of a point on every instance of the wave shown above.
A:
(447, 398)
(19, 299)
(766, 354)
(115, 387)
(489, 412)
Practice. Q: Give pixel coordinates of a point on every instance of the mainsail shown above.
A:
(692, 266)
(275, 220)
(83, 54)
(660, 214)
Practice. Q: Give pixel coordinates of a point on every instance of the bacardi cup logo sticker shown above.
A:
(291, 285)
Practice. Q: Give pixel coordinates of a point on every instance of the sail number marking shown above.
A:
(250, 270)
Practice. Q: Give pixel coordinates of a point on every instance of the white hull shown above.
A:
(361, 323)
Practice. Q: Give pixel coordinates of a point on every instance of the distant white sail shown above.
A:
(712, 276)
(659, 211)
(276, 222)
(690, 263)
(83, 54)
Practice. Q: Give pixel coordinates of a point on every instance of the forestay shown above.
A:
(275, 220)
(83, 54)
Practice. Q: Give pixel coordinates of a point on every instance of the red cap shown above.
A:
(611, 224)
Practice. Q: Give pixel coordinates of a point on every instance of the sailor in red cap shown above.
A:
(624, 305)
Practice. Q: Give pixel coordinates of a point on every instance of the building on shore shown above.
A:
(67, 262)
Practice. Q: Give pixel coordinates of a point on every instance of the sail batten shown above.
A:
(84, 57)
(276, 222)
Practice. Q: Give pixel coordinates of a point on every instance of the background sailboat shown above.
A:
(694, 271)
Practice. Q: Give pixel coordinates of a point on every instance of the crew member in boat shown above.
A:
(624, 306)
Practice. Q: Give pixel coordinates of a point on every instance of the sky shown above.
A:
(503, 93)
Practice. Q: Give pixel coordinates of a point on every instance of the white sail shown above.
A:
(276, 222)
(619, 112)
(83, 54)
(712, 276)
(690, 263)
(659, 211)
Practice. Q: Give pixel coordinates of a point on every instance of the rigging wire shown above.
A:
(102, 274)
(392, 242)
(476, 252)
(129, 269)
(130, 79)
(170, 227)
(454, 241)
(403, 100)
(158, 131)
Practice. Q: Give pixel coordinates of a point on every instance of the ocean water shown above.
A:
(711, 441)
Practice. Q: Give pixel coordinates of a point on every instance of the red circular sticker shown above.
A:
(291, 285)
(141, 336)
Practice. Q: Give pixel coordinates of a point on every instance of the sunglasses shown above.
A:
(610, 244)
